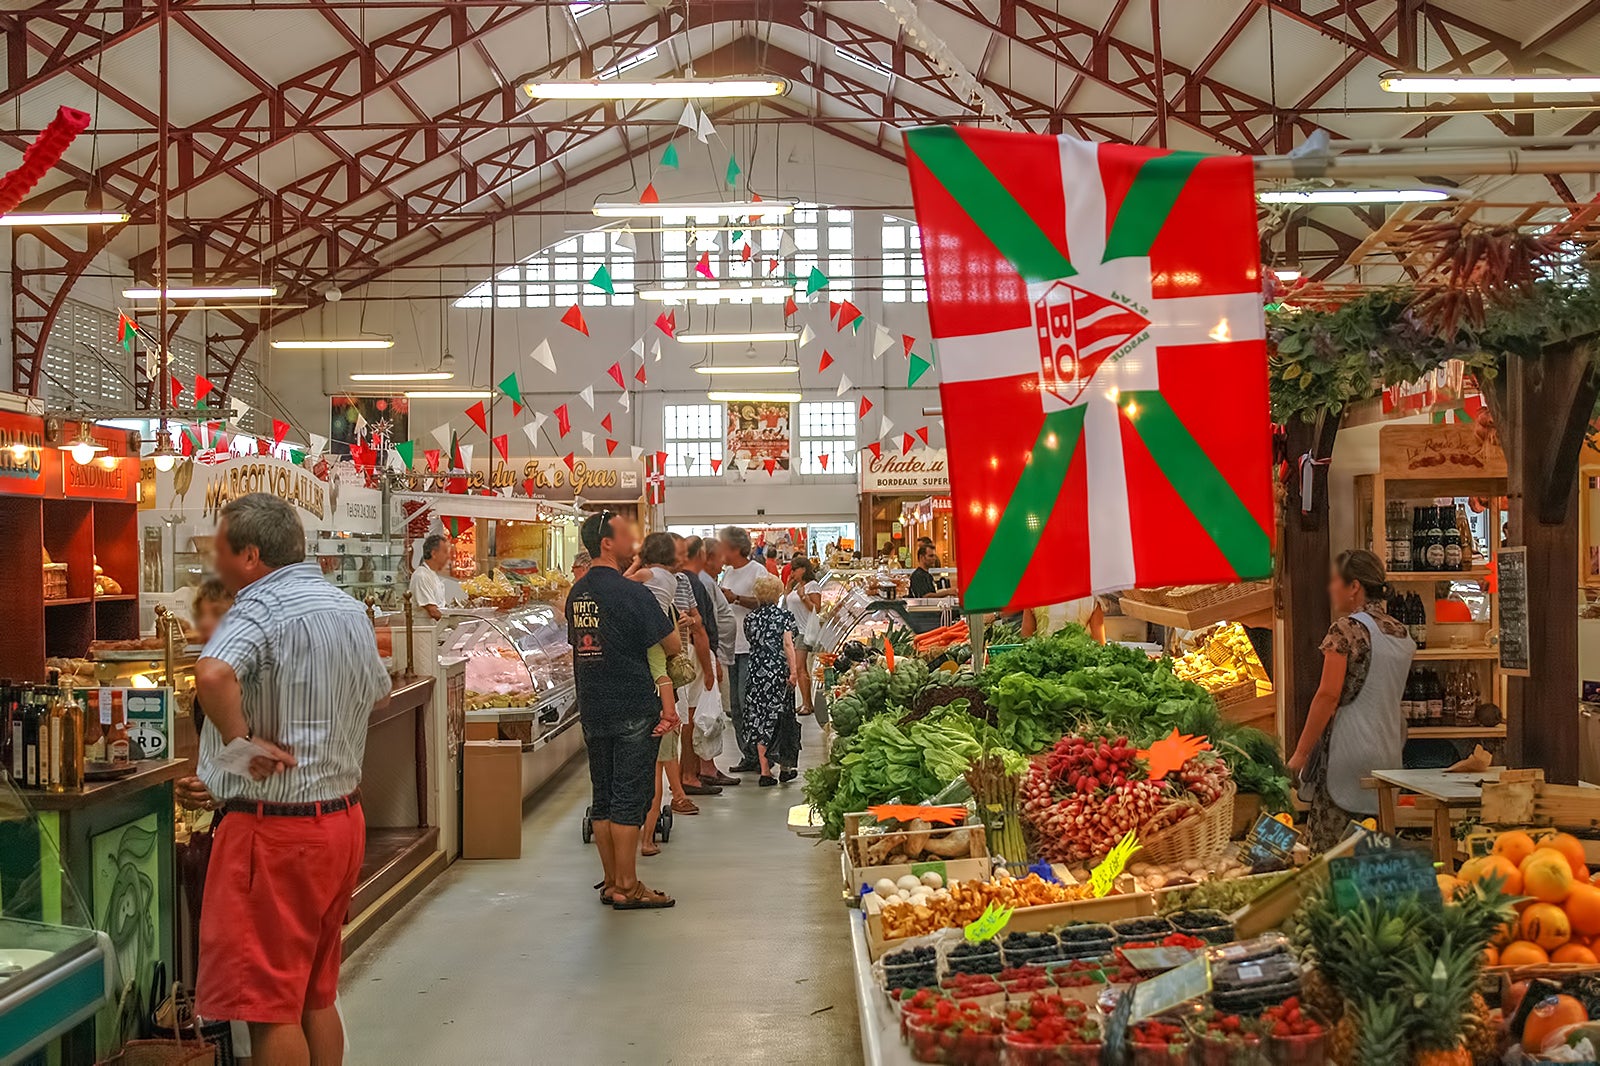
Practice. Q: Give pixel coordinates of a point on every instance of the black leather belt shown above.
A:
(263, 809)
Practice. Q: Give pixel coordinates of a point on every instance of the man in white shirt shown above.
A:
(431, 590)
(739, 587)
(707, 564)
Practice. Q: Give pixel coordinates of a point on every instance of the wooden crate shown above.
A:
(859, 869)
(1039, 919)
(1524, 798)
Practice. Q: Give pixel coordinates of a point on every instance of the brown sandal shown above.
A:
(649, 849)
(684, 806)
(643, 898)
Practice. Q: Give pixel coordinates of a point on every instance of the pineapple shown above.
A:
(1483, 1040)
(1317, 991)
(1377, 1034)
(1441, 983)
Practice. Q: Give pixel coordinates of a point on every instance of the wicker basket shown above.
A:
(1238, 692)
(1194, 597)
(1194, 838)
(55, 581)
(1154, 597)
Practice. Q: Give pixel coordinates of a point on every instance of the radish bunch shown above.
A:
(1087, 764)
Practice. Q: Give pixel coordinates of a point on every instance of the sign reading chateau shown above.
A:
(923, 471)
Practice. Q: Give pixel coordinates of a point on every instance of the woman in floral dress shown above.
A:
(769, 692)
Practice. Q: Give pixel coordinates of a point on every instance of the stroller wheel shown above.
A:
(588, 825)
(664, 824)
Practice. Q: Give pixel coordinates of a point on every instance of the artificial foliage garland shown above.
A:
(1325, 358)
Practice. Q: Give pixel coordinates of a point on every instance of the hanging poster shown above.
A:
(377, 422)
(758, 431)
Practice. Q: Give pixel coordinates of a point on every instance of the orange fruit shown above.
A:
(1491, 955)
(1496, 866)
(1571, 847)
(1546, 925)
(1583, 908)
(1523, 953)
(1574, 953)
(1546, 875)
(1447, 886)
(1514, 845)
(1549, 1015)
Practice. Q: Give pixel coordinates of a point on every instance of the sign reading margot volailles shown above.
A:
(291, 484)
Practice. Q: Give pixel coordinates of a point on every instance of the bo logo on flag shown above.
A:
(1097, 312)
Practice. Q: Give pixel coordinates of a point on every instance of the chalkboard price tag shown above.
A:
(1270, 839)
(1511, 610)
(1381, 874)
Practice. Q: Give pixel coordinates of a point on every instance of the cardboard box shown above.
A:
(491, 800)
(483, 730)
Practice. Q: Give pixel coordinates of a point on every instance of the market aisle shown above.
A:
(517, 962)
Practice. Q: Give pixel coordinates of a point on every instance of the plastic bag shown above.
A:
(709, 724)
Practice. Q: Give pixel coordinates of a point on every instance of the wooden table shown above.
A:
(1436, 791)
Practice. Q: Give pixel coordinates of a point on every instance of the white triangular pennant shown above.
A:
(786, 246)
(531, 430)
(625, 402)
(636, 451)
(706, 128)
(466, 455)
(396, 463)
(543, 356)
(442, 435)
(539, 419)
(688, 118)
(638, 349)
(882, 341)
(844, 385)
(319, 444)
(806, 335)
(240, 408)
(588, 443)
(586, 394)
(655, 350)
(361, 425)
(623, 238)
(888, 428)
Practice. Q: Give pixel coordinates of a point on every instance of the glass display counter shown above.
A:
(517, 659)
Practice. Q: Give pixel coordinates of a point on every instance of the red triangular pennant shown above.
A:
(865, 406)
(568, 459)
(502, 445)
(703, 266)
(876, 449)
(563, 420)
(574, 318)
(789, 306)
(262, 447)
(605, 423)
(907, 340)
(516, 408)
(848, 313)
(772, 265)
(716, 466)
(638, 375)
(823, 459)
(615, 370)
(922, 431)
(528, 486)
(667, 322)
(825, 362)
(611, 446)
(833, 310)
(744, 253)
(479, 416)
(649, 195)
(202, 388)
(770, 464)
(177, 390)
(280, 429)
(432, 458)
(185, 442)
(906, 441)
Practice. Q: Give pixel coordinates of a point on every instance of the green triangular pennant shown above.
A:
(669, 158)
(296, 456)
(919, 366)
(601, 280)
(733, 171)
(792, 278)
(816, 282)
(737, 234)
(406, 450)
(510, 387)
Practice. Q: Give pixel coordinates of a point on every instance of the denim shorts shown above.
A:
(622, 765)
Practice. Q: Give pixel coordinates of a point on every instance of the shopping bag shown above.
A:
(709, 724)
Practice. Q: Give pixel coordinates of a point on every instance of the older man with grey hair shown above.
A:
(739, 586)
(291, 677)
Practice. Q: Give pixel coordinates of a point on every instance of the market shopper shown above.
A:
(739, 587)
(1355, 724)
(706, 600)
(293, 668)
(431, 588)
(803, 600)
(1084, 611)
(769, 690)
(727, 639)
(611, 624)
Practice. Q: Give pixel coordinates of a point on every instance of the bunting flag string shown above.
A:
(816, 281)
(442, 434)
(669, 156)
(907, 440)
(605, 423)
(319, 444)
(732, 175)
(638, 349)
(202, 388)
(431, 457)
(849, 315)
(822, 458)
(280, 429)
(650, 196)
(635, 451)
(531, 431)
(611, 446)
(563, 419)
(510, 387)
(770, 464)
(602, 280)
(703, 267)
(586, 394)
(689, 119)
(479, 416)
(922, 431)
(882, 341)
(666, 322)
(716, 466)
(918, 367)
(887, 428)
(574, 318)
(638, 375)
(789, 307)
(624, 401)
(543, 356)
(407, 451)
(615, 370)
(588, 441)
(806, 335)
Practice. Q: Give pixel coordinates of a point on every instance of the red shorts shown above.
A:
(277, 890)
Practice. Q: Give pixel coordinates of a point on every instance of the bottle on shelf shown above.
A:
(9, 725)
(1432, 539)
(35, 740)
(1435, 699)
(1452, 695)
(70, 713)
(54, 724)
(1408, 699)
(1469, 551)
(1450, 537)
(1419, 550)
(117, 743)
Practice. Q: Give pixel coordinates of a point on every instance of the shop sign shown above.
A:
(292, 484)
(597, 480)
(354, 510)
(23, 474)
(926, 470)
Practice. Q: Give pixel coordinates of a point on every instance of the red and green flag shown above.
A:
(127, 331)
(1097, 310)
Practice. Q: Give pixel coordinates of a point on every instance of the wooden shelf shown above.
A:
(1241, 609)
(1451, 654)
(119, 598)
(1406, 576)
(69, 601)
(1450, 731)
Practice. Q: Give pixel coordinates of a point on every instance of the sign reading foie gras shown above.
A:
(926, 470)
(597, 480)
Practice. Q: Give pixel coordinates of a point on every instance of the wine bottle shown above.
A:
(1399, 538)
(9, 755)
(35, 739)
(1450, 538)
(117, 743)
(70, 713)
(1435, 699)
(1432, 539)
(1419, 550)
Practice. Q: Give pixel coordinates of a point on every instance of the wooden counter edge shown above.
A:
(150, 774)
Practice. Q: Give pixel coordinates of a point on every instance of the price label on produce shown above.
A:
(1102, 877)
(986, 925)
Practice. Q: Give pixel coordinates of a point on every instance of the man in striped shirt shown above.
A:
(294, 668)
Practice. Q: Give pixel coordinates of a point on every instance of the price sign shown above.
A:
(1511, 611)
(1270, 839)
(1154, 960)
(986, 925)
(1103, 876)
(1383, 873)
(1173, 988)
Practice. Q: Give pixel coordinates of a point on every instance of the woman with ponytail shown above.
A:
(1355, 724)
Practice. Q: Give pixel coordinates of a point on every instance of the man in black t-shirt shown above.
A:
(611, 624)
(922, 583)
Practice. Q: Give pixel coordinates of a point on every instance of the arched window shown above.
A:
(558, 276)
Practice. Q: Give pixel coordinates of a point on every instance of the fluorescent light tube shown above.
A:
(1579, 84)
(1286, 274)
(717, 294)
(686, 208)
(469, 394)
(1350, 196)
(739, 338)
(668, 89)
(756, 397)
(64, 218)
(747, 370)
(217, 292)
(348, 342)
(425, 375)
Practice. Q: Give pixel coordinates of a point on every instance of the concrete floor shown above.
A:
(515, 961)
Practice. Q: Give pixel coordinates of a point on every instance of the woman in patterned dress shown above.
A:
(769, 693)
(1355, 724)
